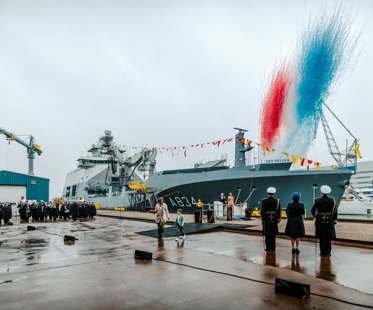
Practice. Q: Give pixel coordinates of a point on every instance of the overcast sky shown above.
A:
(158, 74)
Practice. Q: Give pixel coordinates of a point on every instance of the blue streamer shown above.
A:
(325, 50)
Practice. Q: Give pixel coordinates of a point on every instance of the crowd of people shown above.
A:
(53, 211)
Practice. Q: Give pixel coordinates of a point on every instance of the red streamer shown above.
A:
(273, 107)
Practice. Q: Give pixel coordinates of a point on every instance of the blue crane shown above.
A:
(31, 147)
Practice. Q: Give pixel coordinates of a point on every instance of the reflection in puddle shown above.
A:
(295, 266)
(180, 244)
(160, 243)
(325, 270)
(270, 259)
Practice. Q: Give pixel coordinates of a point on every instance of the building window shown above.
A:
(73, 194)
(67, 193)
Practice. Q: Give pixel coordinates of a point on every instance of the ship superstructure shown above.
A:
(108, 175)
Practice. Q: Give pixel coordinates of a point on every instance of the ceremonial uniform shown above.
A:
(42, 211)
(7, 213)
(1, 213)
(271, 216)
(324, 211)
(74, 210)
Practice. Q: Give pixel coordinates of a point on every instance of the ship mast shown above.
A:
(241, 148)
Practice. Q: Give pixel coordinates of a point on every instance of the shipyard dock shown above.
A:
(219, 266)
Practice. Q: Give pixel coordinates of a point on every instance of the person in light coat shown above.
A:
(162, 215)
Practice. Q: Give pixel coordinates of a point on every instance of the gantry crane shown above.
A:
(347, 157)
(31, 147)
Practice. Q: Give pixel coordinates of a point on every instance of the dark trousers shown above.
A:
(160, 229)
(325, 246)
(229, 213)
(270, 242)
(180, 230)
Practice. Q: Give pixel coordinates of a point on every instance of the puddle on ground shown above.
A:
(34, 241)
(31, 264)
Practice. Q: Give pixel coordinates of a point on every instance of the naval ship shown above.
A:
(110, 178)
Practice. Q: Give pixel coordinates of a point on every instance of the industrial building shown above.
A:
(14, 185)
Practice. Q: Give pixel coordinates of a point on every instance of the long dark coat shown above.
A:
(325, 212)
(270, 214)
(74, 210)
(295, 226)
(7, 212)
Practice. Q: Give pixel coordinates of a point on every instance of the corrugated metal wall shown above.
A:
(36, 188)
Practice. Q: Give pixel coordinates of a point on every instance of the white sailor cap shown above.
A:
(325, 189)
(271, 190)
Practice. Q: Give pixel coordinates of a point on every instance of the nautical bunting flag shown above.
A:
(294, 159)
(175, 150)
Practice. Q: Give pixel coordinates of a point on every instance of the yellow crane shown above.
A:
(31, 147)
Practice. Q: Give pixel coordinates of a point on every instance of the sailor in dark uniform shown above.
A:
(324, 211)
(7, 212)
(42, 210)
(74, 210)
(271, 216)
(1, 212)
(53, 210)
(27, 211)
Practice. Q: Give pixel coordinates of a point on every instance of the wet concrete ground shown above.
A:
(219, 270)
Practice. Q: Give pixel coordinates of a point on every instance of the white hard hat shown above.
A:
(325, 189)
(271, 190)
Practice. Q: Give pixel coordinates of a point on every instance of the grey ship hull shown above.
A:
(183, 188)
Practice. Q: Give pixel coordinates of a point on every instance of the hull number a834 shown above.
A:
(183, 201)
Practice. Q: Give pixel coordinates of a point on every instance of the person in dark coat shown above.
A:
(35, 213)
(66, 211)
(1, 212)
(295, 226)
(42, 207)
(271, 216)
(61, 210)
(324, 211)
(26, 211)
(52, 211)
(74, 210)
(7, 212)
